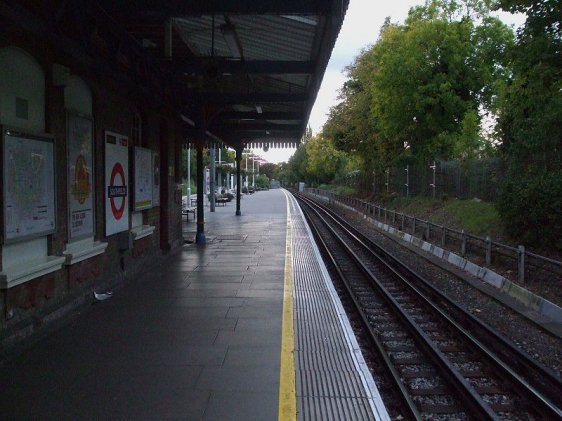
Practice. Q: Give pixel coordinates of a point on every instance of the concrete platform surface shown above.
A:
(200, 336)
(196, 338)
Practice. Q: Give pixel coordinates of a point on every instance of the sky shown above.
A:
(360, 29)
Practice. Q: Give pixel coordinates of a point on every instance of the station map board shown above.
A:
(143, 178)
(28, 185)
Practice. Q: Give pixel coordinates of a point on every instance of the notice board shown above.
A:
(143, 178)
(80, 177)
(29, 185)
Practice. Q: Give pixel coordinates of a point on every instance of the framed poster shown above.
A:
(80, 177)
(143, 178)
(155, 179)
(116, 183)
(28, 171)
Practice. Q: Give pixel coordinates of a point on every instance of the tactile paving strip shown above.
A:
(329, 385)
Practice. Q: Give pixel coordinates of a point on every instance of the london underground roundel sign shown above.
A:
(117, 191)
(116, 183)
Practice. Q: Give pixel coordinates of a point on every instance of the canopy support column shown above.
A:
(212, 173)
(238, 179)
(200, 236)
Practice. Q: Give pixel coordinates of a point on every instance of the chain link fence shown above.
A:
(464, 180)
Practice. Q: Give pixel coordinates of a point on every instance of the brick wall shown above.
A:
(113, 110)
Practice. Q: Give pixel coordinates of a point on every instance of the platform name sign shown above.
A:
(80, 177)
(116, 183)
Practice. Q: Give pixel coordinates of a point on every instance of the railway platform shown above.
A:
(246, 327)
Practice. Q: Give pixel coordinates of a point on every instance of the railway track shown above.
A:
(442, 362)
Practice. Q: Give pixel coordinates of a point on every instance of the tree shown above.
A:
(324, 160)
(350, 125)
(433, 76)
(269, 169)
(529, 126)
(262, 181)
(295, 170)
(419, 92)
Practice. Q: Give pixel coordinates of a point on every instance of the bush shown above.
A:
(531, 208)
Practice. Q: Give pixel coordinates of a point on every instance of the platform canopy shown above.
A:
(245, 71)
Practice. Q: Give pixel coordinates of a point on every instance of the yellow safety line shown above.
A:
(287, 387)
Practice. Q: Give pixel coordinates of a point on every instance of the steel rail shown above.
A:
(540, 382)
(508, 350)
(395, 375)
(466, 393)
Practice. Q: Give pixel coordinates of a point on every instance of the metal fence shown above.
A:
(514, 263)
(465, 180)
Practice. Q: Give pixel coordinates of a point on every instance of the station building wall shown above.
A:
(43, 92)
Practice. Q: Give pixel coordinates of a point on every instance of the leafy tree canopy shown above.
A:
(419, 91)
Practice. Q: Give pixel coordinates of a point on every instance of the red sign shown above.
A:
(114, 191)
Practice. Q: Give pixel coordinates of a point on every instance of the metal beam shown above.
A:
(178, 8)
(219, 67)
(255, 7)
(241, 115)
(239, 98)
(272, 138)
(260, 126)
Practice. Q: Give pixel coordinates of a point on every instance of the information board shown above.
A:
(116, 183)
(143, 178)
(80, 177)
(29, 185)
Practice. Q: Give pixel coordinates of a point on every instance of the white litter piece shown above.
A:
(103, 295)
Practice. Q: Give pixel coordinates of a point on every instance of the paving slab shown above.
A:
(195, 338)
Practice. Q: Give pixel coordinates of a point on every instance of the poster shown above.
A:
(29, 185)
(143, 178)
(155, 179)
(80, 178)
(116, 183)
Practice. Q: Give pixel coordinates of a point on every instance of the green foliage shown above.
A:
(531, 208)
(324, 160)
(530, 113)
(338, 189)
(295, 170)
(433, 75)
(416, 94)
(476, 217)
(270, 170)
(262, 181)
(316, 161)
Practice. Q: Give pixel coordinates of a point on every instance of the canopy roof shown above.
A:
(241, 71)
(247, 71)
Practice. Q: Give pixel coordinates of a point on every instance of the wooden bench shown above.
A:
(221, 201)
(187, 211)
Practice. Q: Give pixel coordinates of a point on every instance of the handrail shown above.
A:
(524, 259)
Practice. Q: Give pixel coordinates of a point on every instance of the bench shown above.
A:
(187, 211)
(221, 201)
